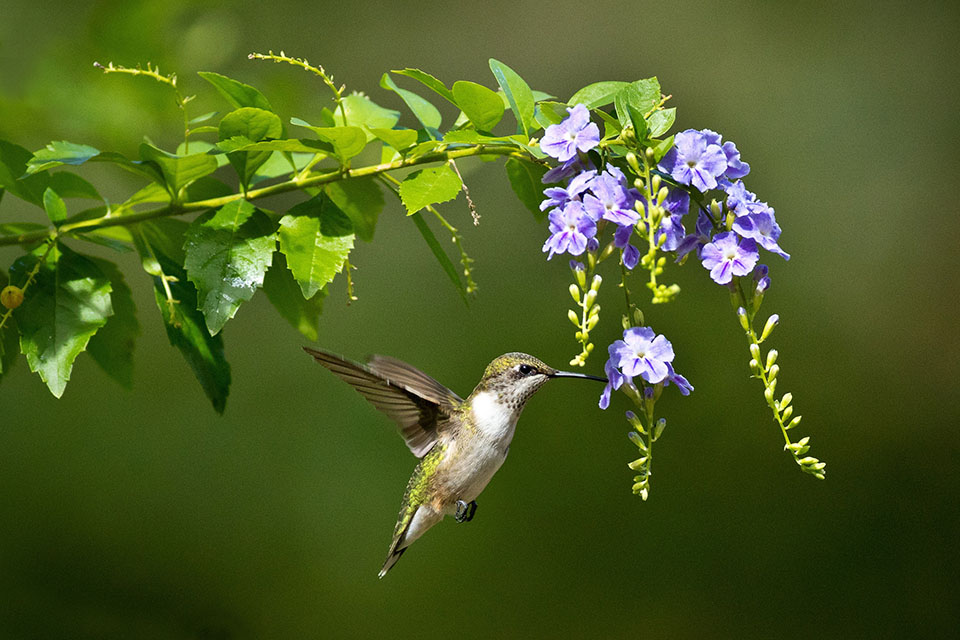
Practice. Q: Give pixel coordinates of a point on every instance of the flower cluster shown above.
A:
(702, 159)
(641, 353)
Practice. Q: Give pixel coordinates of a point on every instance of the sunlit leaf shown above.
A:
(54, 206)
(429, 186)
(65, 306)
(59, 153)
(661, 120)
(252, 125)
(364, 112)
(422, 109)
(237, 93)
(347, 141)
(178, 171)
(481, 105)
(399, 139)
(518, 95)
(316, 237)
(428, 81)
(227, 253)
(597, 94)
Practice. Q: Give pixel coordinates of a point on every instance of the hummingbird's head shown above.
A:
(514, 377)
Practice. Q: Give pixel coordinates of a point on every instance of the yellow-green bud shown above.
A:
(772, 385)
(768, 328)
(662, 194)
(590, 298)
(715, 208)
(11, 297)
(574, 318)
(786, 400)
(786, 414)
(590, 348)
(637, 464)
(655, 182)
(742, 317)
(595, 285)
(771, 357)
(592, 322)
(575, 293)
(794, 422)
(773, 371)
(755, 351)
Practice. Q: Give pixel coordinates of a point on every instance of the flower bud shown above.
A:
(637, 464)
(794, 422)
(595, 285)
(658, 429)
(575, 293)
(773, 371)
(11, 297)
(786, 400)
(786, 414)
(574, 318)
(715, 208)
(635, 438)
(590, 298)
(662, 195)
(772, 322)
(655, 182)
(755, 351)
(771, 357)
(742, 317)
(592, 321)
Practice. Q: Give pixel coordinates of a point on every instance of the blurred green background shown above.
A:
(144, 514)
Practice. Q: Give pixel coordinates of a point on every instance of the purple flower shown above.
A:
(676, 205)
(609, 198)
(693, 160)
(761, 278)
(621, 240)
(762, 227)
(576, 133)
(739, 200)
(560, 196)
(643, 354)
(615, 379)
(675, 378)
(696, 240)
(735, 167)
(570, 230)
(574, 165)
(725, 257)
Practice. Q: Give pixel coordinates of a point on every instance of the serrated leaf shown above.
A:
(112, 346)
(429, 186)
(252, 125)
(65, 306)
(422, 109)
(347, 141)
(70, 185)
(178, 171)
(54, 206)
(597, 94)
(227, 254)
(59, 153)
(481, 105)
(661, 120)
(188, 333)
(316, 237)
(428, 81)
(440, 255)
(237, 93)
(518, 95)
(399, 139)
(365, 113)
(526, 181)
(362, 200)
(284, 294)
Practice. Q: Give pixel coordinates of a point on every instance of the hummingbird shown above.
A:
(460, 443)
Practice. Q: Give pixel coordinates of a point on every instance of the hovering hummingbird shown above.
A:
(460, 443)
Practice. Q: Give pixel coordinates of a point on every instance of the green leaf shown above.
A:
(65, 306)
(207, 116)
(58, 153)
(428, 81)
(629, 115)
(641, 96)
(598, 94)
(178, 171)
(187, 332)
(252, 125)
(347, 141)
(661, 120)
(54, 206)
(525, 179)
(17, 228)
(518, 95)
(365, 113)
(284, 294)
(439, 254)
(429, 186)
(166, 235)
(112, 346)
(227, 254)
(202, 146)
(70, 185)
(13, 166)
(316, 237)
(483, 106)
(426, 113)
(362, 200)
(237, 93)
(470, 136)
(399, 139)
(548, 113)
(661, 147)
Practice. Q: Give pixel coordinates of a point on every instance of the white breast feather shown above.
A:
(495, 421)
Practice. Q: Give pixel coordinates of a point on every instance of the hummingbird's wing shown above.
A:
(415, 401)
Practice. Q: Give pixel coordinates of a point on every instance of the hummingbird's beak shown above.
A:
(570, 374)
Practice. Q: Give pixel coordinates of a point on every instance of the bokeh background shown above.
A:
(143, 514)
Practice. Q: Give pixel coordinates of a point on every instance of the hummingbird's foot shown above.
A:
(465, 511)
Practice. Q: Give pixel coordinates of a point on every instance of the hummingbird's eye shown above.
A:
(525, 369)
